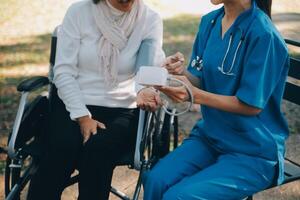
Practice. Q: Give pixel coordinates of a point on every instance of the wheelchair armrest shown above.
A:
(32, 84)
(25, 87)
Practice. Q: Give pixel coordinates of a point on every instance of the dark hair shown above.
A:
(265, 5)
(96, 1)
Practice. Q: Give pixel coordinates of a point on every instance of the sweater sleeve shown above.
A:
(154, 33)
(150, 52)
(65, 69)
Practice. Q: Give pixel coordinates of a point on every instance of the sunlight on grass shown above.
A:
(24, 70)
(8, 9)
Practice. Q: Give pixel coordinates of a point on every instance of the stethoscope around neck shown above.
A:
(229, 71)
(198, 63)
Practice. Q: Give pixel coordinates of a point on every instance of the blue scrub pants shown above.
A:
(196, 170)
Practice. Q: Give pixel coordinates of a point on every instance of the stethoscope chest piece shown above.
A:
(197, 63)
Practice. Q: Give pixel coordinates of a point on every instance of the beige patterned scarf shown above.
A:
(116, 27)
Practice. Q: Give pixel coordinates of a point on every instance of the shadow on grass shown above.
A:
(28, 50)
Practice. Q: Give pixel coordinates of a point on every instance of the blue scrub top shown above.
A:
(257, 78)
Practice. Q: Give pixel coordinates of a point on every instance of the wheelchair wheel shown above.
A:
(18, 173)
(20, 168)
(164, 138)
(156, 140)
(12, 175)
(161, 137)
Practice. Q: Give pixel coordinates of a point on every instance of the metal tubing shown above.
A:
(12, 141)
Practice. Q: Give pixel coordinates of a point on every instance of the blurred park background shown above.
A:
(25, 31)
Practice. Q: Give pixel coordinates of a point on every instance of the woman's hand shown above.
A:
(175, 64)
(178, 94)
(148, 99)
(88, 126)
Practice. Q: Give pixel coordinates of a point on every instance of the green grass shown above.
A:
(2, 166)
(179, 33)
(295, 55)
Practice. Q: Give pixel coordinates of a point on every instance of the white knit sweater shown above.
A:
(78, 78)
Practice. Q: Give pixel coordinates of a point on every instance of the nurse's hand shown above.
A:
(88, 127)
(148, 99)
(175, 64)
(178, 94)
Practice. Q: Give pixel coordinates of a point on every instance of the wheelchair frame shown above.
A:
(149, 135)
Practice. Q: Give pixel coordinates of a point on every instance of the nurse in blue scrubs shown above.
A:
(237, 73)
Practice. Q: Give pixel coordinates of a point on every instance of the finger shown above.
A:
(183, 79)
(146, 106)
(157, 87)
(94, 131)
(153, 108)
(139, 103)
(158, 100)
(167, 61)
(101, 125)
(142, 106)
(179, 56)
(166, 89)
(174, 65)
(176, 94)
(86, 138)
(178, 70)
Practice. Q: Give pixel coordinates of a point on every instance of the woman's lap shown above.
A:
(63, 145)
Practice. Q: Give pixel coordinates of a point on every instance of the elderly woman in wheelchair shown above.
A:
(94, 121)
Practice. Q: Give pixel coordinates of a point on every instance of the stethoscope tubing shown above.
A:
(222, 67)
(191, 98)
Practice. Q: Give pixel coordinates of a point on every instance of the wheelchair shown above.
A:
(25, 142)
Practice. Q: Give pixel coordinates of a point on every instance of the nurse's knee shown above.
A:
(176, 193)
(155, 180)
(171, 195)
(179, 192)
